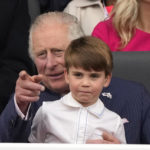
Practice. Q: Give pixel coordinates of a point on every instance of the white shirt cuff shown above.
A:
(23, 117)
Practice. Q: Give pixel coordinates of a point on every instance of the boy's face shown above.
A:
(86, 86)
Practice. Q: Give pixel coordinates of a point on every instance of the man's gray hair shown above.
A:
(74, 28)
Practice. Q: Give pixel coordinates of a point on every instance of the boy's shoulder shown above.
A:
(111, 115)
(50, 105)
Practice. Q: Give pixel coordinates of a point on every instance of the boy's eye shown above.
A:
(94, 75)
(77, 74)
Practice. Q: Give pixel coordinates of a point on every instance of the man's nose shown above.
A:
(51, 61)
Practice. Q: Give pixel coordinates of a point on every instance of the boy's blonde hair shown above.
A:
(89, 53)
(125, 18)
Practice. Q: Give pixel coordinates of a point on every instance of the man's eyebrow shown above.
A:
(56, 49)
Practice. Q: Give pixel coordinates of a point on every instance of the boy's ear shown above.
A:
(66, 76)
(108, 79)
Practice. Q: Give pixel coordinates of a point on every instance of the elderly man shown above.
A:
(50, 35)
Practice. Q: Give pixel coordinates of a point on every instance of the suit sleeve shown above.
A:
(145, 132)
(12, 127)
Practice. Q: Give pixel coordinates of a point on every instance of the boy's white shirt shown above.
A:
(67, 121)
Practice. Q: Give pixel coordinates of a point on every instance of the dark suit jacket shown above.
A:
(14, 26)
(130, 100)
(53, 5)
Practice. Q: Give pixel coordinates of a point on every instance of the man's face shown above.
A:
(49, 44)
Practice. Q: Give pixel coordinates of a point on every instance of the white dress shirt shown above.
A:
(67, 121)
(19, 112)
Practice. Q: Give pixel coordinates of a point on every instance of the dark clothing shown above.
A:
(53, 5)
(14, 57)
(130, 100)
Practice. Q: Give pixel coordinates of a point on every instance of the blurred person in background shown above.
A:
(128, 28)
(90, 12)
(14, 57)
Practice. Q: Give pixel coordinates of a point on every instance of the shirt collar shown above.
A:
(97, 108)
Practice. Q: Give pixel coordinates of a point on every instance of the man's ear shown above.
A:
(66, 76)
(108, 79)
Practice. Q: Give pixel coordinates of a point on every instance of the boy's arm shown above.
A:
(38, 128)
(120, 131)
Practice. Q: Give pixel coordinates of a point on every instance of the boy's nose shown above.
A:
(85, 82)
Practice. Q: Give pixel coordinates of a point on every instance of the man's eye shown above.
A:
(58, 52)
(41, 54)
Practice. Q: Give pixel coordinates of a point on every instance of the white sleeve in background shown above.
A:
(23, 117)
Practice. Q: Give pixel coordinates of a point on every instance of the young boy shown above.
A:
(80, 115)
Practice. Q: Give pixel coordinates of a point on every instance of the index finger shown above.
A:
(34, 79)
(37, 78)
(24, 75)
